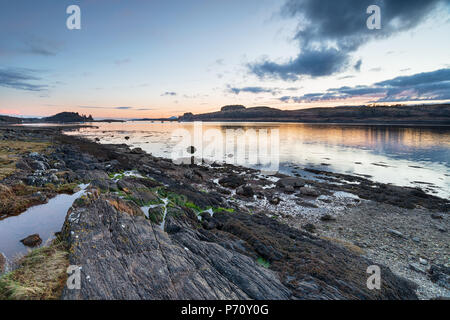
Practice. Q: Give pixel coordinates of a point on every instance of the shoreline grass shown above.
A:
(41, 275)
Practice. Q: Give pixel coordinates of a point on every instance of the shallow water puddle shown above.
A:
(45, 220)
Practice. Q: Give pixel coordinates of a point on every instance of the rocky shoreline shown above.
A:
(150, 229)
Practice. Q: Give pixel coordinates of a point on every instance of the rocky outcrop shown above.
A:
(126, 256)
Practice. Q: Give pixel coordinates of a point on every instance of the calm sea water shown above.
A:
(406, 156)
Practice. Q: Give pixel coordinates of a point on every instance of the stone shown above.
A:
(417, 268)
(307, 204)
(441, 229)
(310, 192)
(32, 241)
(327, 217)
(245, 191)
(275, 200)
(440, 274)
(232, 181)
(293, 182)
(137, 151)
(395, 233)
(309, 227)
(423, 261)
(437, 216)
(289, 189)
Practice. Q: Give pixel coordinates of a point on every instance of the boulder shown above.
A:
(232, 181)
(309, 227)
(32, 241)
(327, 217)
(309, 192)
(293, 182)
(275, 200)
(245, 191)
(440, 274)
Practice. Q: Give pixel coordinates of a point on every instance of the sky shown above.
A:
(142, 58)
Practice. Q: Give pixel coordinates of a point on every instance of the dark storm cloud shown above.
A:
(20, 79)
(433, 85)
(329, 31)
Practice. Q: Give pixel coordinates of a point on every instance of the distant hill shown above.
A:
(9, 120)
(421, 114)
(68, 117)
(63, 117)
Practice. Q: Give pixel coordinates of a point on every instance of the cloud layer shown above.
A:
(433, 85)
(330, 31)
(236, 90)
(20, 79)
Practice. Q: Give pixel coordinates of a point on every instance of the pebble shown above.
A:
(395, 233)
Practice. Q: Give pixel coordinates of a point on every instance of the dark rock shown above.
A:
(296, 254)
(32, 241)
(275, 200)
(193, 175)
(232, 181)
(245, 191)
(89, 175)
(327, 217)
(39, 165)
(440, 274)
(23, 165)
(437, 216)
(309, 192)
(417, 268)
(309, 227)
(104, 184)
(289, 189)
(292, 182)
(137, 151)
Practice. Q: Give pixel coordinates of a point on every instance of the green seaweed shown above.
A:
(262, 262)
